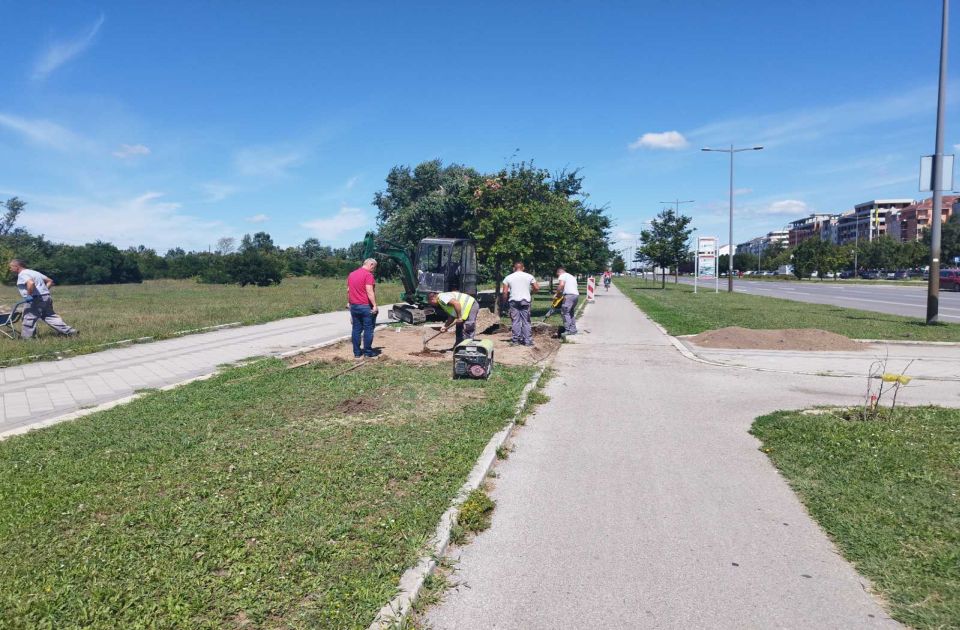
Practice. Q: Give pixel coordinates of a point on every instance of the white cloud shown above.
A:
(345, 220)
(131, 150)
(43, 132)
(266, 162)
(664, 140)
(257, 218)
(217, 191)
(742, 191)
(59, 53)
(350, 183)
(787, 207)
(145, 219)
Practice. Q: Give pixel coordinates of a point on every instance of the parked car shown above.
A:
(846, 273)
(902, 274)
(950, 279)
(869, 275)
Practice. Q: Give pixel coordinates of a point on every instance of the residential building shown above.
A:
(759, 245)
(829, 228)
(868, 220)
(909, 223)
(807, 227)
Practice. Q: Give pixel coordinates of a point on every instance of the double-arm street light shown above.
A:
(731, 151)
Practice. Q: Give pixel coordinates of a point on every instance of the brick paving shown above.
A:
(36, 393)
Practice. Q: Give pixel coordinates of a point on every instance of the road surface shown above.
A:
(909, 300)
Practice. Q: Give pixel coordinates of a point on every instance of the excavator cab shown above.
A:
(446, 264)
(440, 264)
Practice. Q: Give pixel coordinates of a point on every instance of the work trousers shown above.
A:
(521, 330)
(468, 328)
(363, 320)
(41, 308)
(567, 311)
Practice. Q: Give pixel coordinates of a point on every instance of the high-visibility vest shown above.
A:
(466, 303)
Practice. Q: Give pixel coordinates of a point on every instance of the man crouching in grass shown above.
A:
(35, 289)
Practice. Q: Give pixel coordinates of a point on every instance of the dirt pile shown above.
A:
(786, 339)
(405, 344)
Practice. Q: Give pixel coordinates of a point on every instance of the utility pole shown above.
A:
(933, 284)
(731, 151)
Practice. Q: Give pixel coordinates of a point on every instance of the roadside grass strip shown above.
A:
(260, 497)
(888, 493)
(683, 312)
(158, 309)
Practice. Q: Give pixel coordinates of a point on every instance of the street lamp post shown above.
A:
(731, 151)
(933, 283)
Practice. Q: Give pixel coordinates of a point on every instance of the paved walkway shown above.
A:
(38, 392)
(636, 498)
(927, 362)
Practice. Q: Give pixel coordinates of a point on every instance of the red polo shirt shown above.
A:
(357, 283)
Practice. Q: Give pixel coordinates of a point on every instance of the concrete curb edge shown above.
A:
(396, 611)
(73, 415)
(693, 356)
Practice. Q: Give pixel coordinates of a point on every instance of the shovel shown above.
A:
(427, 340)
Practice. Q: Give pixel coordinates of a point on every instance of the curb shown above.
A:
(693, 356)
(60, 355)
(73, 415)
(396, 611)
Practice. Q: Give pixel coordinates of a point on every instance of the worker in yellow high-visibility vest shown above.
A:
(461, 309)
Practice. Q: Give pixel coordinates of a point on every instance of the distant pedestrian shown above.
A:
(461, 309)
(361, 294)
(567, 287)
(35, 287)
(516, 289)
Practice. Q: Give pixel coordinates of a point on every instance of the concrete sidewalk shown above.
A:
(636, 498)
(39, 392)
(928, 362)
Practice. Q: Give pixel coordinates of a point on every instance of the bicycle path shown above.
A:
(636, 498)
(39, 393)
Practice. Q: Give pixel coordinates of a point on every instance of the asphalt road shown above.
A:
(636, 498)
(909, 300)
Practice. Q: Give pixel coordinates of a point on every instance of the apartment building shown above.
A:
(800, 230)
(868, 220)
(909, 223)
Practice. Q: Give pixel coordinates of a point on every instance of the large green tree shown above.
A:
(665, 242)
(428, 200)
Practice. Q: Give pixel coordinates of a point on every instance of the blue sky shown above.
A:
(177, 123)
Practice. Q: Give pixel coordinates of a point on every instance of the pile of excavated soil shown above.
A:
(405, 344)
(786, 339)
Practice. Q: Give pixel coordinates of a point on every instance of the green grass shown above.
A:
(888, 493)
(161, 308)
(250, 497)
(683, 312)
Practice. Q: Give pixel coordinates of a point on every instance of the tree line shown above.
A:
(520, 212)
(254, 260)
(666, 244)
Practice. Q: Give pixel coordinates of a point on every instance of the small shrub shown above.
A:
(476, 511)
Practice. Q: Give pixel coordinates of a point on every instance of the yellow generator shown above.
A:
(473, 359)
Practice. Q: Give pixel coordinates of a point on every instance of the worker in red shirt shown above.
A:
(362, 296)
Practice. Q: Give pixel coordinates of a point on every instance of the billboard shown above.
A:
(706, 268)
